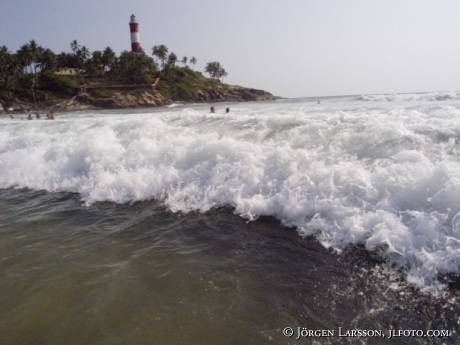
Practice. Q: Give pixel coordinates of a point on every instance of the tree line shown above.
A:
(128, 67)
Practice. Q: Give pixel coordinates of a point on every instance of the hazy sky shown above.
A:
(291, 48)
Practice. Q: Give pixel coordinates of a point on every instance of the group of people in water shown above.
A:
(213, 110)
(49, 116)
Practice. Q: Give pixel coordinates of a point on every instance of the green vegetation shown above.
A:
(35, 77)
(58, 84)
(215, 70)
(31, 75)
(184, 83)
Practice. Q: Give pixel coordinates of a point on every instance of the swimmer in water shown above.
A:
(50, 115)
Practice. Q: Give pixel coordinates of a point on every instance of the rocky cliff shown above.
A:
(121, 100)
(150, 98)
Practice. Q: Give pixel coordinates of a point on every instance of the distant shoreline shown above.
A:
(25, 112)
(140, 100)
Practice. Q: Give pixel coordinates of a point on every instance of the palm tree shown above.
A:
(62, 60)
(5, 57)
(48, 60)
(211, 68)
(74, 46)
(123, 63)
(147, 64)
(94, 65)
(193, 61)
(35, 52)
(8, 81)
(184, 60)
(223, 73)
(125, 67)
(161, 52)
(172, 59)
(215, 70)
(133, 67)
(108, 58)
(33, 92)
(24, 57)
(155, 52)
(84, 52)
(15, 65)
(82, 55)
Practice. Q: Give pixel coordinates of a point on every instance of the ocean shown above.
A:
(332, 220)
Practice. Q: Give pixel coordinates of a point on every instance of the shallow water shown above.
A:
(140, 274)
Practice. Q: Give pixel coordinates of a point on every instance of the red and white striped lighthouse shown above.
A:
(135, 38)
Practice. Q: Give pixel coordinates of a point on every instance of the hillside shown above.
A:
(179, 84)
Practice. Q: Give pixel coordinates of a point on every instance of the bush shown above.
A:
(145, 80)
(184, 92)
(24, 93)
(59, 84)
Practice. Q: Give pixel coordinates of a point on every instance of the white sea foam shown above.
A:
(426, 96)
(348, 172)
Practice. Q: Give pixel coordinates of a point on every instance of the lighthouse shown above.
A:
(135, 39)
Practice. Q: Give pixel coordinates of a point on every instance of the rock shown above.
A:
(121, 100)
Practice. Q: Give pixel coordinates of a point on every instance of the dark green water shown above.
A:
(139, 274)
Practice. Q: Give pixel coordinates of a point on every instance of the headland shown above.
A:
(72, 93)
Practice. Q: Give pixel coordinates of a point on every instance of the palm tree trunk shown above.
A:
(33, 94)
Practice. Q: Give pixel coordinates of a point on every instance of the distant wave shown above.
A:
(402, 97)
